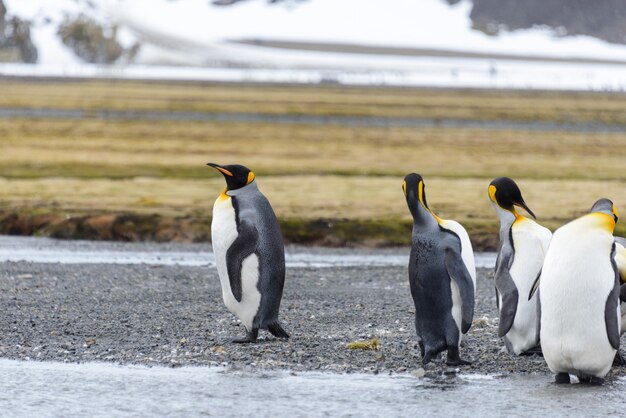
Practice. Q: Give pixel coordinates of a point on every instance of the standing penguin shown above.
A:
(442, 276)
(579, 297)
(249, 253)
(523, 245)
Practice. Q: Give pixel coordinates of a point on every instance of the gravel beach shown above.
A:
(174, 315)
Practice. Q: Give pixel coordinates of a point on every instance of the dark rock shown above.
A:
(93, 42)
(15, 36)
(604, 19)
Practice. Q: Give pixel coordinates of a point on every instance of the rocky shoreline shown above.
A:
(174, 316)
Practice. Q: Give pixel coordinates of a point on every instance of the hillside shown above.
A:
(403, 42)
(602, 19)
(159, 31)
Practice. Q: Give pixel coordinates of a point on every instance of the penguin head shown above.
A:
(415, 193)
(237, 176)
(504, 192)
(607, 207)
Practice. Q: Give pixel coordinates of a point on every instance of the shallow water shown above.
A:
(324, 120)
(58, 389)
(46, 250)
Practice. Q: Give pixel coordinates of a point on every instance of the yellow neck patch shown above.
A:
(420, 193)
(223, 195)
(605, 221)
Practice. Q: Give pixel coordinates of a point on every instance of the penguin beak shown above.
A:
(522, 204)
(220, 169)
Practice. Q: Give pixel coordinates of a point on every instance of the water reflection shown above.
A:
(55, 389)
(46, 250)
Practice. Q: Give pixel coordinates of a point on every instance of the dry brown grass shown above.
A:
(308, 197)
(308, 172)
(94, 148)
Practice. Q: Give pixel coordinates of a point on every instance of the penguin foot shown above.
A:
(250, 337)
(458, 362)
(591, 380)
(535, 350)
(619, 360)
(562, 378)
(426, 359)
(596, 381)
(454, 359)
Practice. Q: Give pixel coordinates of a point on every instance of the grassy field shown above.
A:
(348, 177)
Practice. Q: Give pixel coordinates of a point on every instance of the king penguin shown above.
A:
(523, 245)
(442, 277)
(249, 253)
(579, 297)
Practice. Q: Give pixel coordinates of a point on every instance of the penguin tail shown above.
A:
(277, 331)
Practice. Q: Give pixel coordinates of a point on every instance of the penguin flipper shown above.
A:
(508, 291)
(611, 318)
(244, 245)
(458, 272)
(535, 286)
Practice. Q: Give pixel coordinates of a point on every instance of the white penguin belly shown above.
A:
(529, 254)
(457, 305)
(576, 280)
(223, 234)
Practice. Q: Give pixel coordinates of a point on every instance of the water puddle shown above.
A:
(46, 250)
(97, 389)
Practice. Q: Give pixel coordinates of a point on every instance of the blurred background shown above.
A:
(110, 109)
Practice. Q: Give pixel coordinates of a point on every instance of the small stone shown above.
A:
(419, 373)
(23, 276)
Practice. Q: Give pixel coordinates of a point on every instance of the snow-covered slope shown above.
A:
(197, 33)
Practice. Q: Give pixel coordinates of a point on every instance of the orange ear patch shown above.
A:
(492, 193)
(250, 177)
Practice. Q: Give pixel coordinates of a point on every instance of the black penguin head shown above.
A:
(504, 192)
(237, 176)
(607, 207)
(415, 193)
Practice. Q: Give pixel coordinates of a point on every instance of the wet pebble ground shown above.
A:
(172, 315)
